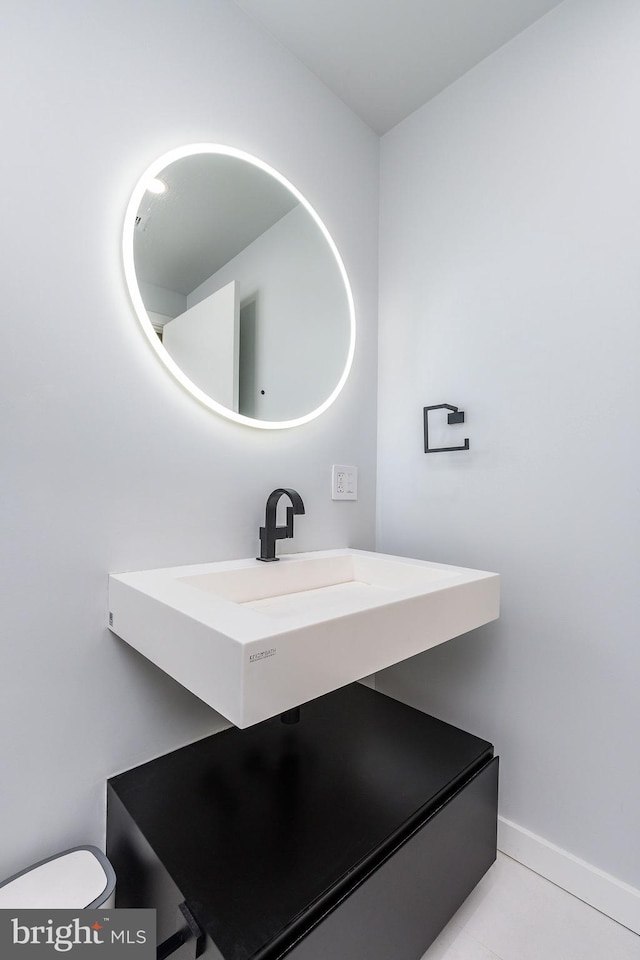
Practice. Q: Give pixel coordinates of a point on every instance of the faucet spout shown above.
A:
(271, 532)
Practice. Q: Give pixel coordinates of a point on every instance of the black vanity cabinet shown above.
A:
(354, 834)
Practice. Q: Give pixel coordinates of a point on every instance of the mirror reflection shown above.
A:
(242, 285)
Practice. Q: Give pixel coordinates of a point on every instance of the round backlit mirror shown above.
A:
(238, 286)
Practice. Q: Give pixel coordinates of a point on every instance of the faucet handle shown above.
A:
(290, 516)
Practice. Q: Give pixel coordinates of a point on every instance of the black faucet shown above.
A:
(270, 532)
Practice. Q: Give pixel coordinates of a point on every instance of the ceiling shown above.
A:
(385, 58)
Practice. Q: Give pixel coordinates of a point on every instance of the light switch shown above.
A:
(344, 482)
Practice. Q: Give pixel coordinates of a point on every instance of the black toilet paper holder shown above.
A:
(456, 416)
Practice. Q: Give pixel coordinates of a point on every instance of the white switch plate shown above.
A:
(344, 482)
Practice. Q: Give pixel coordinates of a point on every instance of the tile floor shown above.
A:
(514, 914)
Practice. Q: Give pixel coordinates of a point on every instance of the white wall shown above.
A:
(510, 286)
(107, 464)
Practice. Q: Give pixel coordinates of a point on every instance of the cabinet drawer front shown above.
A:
(400, 908)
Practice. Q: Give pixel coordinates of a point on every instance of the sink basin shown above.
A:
(254, 639)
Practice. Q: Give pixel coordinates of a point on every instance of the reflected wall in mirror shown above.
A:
(239, 286)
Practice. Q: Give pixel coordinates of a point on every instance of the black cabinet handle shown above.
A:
(169, 946)
(190, 930)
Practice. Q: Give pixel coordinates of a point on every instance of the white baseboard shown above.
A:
(610, 896)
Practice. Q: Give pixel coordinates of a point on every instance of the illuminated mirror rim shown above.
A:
(134, 291)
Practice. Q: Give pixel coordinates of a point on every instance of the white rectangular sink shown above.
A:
(254, 639)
